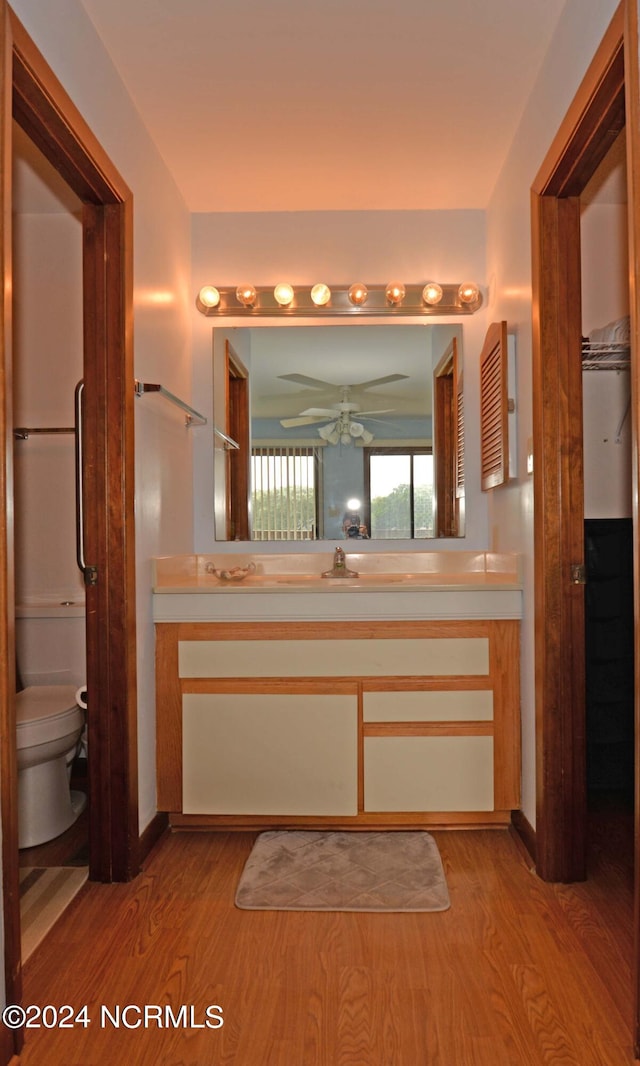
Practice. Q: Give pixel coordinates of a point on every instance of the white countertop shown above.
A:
(392, 586)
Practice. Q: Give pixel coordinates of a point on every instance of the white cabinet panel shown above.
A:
(334, 658)
(432, 706)
(428, 773)
(270, 754)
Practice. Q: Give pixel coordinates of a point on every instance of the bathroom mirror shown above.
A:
(336, 429)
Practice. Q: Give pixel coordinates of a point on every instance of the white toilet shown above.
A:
(49, 720)
(49, 724)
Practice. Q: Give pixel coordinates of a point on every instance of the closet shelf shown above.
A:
(602, 355)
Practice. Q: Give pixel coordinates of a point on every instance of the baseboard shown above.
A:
(8, 1049)
(154, 832)
(524, 835)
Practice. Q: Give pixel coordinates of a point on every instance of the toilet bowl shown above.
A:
(48, 726)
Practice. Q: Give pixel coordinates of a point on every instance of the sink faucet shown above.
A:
(340, 568)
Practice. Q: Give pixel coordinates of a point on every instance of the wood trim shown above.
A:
(592, 123)
(632, 104)
(359, 822)
(45, 111)
(109, 475)
(443, 683)
(504, 671)
(428, 729)
(352, 630)
(11, 1041)
(558, 539)
(524, 833)
(238, 460)
(168, 719)
(595, 118)
(445, 380)
(270, 686)
(361, 728)
(150, 837)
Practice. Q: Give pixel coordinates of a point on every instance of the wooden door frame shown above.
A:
(32, 93)
(444, 391)
(594, 120)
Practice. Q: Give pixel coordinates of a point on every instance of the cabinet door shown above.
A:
(428, 773)
(260, 753)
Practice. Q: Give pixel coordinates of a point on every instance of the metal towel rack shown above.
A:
(145, 386)
(24, 432)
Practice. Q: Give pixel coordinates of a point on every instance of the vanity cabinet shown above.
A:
(338, 723)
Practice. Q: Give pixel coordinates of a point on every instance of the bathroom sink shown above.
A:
(362, 580)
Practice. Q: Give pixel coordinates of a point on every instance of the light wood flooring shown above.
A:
(516, 973)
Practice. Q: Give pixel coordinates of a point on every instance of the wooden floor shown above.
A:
(516, 973)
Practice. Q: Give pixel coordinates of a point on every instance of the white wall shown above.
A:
(164, 504)
(47, 362)
(337, 247)
(580, 29)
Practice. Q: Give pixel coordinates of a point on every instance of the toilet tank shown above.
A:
(51, 643)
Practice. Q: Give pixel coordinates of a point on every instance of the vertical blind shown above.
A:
(284, 492)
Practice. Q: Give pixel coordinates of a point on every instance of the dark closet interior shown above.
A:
(609, 660)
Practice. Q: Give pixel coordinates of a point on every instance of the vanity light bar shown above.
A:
(393, 299)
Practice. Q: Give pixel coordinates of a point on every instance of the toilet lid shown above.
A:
(44, 701)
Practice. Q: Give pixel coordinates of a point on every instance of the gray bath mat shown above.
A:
(323, 871)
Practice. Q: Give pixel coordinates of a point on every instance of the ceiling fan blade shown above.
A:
(364, 414)
(313, 383)
(379, 381)
(321, 412)
(304, 420)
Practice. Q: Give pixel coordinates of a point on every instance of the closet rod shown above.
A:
(146, 386)
(24, 432)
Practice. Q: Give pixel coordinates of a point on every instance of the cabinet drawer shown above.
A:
(428, 773)
(459, 706)
(269, 754)
(334, 658)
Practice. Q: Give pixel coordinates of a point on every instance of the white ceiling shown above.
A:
(344, 105)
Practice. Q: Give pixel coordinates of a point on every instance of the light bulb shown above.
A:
(468, 293)
(208, 296)
(353, 504)
(246, 295)
(395, 292)
(345, 438)
(432, 293)
(356, 429)
(283, 293)
(321, 294)
(358, 294)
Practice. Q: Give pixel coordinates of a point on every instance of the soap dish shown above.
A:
(236, 573)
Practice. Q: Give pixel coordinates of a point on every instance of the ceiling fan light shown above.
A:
(432, 293)
(358, 294)
(246, 295)
(366, 437)
(321, 294)
(328, 432)
(356, 429)
(345, 437)
(283, 293)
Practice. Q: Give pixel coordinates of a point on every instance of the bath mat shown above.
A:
(44, 895)
(324, 871)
